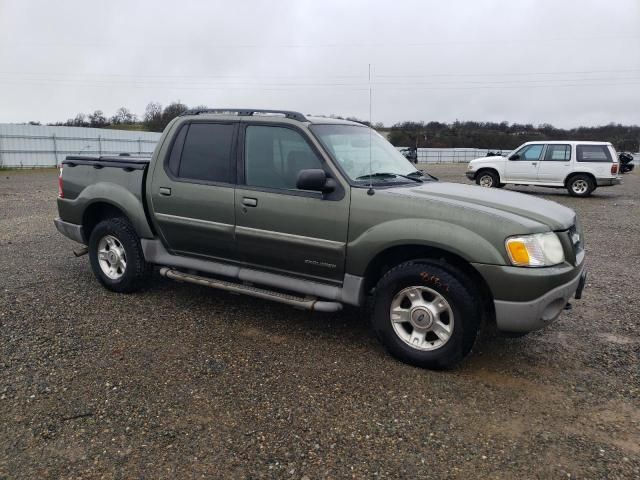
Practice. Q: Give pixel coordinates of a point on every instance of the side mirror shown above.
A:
(515, 156)
(316, 180)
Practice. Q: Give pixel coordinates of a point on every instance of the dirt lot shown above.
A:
(180, 381)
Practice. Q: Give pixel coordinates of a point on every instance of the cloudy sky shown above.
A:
(565, 62)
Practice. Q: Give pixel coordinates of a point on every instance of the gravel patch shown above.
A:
(181, 381)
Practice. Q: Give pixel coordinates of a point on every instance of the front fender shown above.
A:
(72, 210)
(418, 231)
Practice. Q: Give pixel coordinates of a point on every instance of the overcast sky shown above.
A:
(533, 61)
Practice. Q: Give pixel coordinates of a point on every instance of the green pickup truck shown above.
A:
(319, 213)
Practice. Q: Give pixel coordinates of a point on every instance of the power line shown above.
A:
(218, 46)
(345, 86)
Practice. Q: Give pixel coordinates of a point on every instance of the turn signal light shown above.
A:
(519, 253)
(614, 169)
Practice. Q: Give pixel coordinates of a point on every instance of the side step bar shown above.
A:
(300, 302)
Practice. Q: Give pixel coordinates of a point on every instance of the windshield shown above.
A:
(349, 145)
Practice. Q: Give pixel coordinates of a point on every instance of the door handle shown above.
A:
(534, 163)
(250, 202)
(165, 191)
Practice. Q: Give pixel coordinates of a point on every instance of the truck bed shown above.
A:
(90, 182)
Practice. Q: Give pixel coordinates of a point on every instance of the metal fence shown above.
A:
(453, 155)
(29, 146)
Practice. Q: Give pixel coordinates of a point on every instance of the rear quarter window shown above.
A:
(593, 153)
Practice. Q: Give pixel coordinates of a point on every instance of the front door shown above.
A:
(555, 164)
(193, 200)
(280, 227)
(522, 165)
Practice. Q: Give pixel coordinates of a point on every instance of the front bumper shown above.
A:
(70, 230)
(536, 314)
(470, 175)
(607, 182)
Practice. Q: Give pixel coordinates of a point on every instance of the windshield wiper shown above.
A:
(422, 174)
(387, 175)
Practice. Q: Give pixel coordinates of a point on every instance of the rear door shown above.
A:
(280, 227)
(522, 165)
(193, 191)
(555, 164)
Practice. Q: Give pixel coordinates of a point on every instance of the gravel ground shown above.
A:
(180, 381)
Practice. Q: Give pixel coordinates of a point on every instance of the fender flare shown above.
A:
(120, 198)
(438, 234)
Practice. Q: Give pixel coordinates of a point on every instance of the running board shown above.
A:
(300, 302)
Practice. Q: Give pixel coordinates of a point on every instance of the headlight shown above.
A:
(470, 167)
(538, 250)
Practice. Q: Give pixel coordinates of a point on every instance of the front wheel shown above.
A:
(116, 256)
(425, 315)
(488, 179)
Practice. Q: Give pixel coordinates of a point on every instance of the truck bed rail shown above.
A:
(118, 161)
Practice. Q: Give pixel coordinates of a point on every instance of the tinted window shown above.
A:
(206, 154)
(593, 153)
(557, 153)
(530, 152)
(275, 155)
(176, 150)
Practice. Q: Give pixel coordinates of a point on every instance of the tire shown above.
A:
(488, 179)
(118, 242)
(460, 314)
(580, 185)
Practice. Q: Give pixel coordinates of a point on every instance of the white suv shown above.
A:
(580, 167)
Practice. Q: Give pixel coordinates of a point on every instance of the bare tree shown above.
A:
(97, 119)
(153, 117)
(123, 116)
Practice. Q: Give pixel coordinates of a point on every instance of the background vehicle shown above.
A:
(580, 167)
(317, 213)
(625, 162)
(411, 154)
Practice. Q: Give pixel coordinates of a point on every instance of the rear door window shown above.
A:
(593, 153)
(557, 153)
(206, 154)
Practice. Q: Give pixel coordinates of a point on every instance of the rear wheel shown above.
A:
(580, 185)
(116, 256)
(425, 315)
(488, 179)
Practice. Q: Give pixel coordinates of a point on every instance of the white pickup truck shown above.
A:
(580, 167)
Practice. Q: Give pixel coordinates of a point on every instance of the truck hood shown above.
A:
(551, 214)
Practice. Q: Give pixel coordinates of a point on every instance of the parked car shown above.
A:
(580, 167)
(626, 165)
(318, 213)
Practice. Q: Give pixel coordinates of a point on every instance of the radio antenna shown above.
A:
(371, 191)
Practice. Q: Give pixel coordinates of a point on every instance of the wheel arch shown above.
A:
(573, 174)
(398, 254)
(96, 212)
(107, 200)
(488, 169)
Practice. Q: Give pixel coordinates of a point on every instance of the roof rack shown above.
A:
(248, 112)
